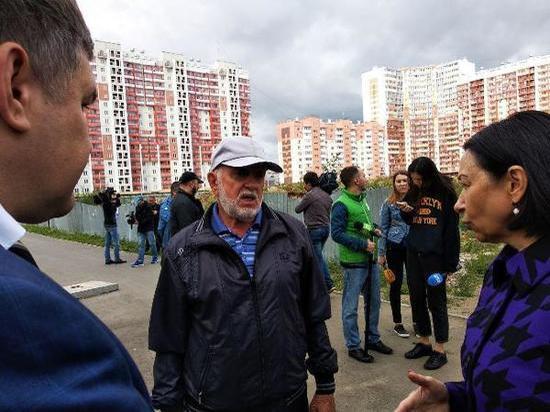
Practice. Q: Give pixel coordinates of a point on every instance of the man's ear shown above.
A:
(517, 181)
(213, 182)
(16, 84)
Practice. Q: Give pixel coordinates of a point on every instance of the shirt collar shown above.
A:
(219, 227)
(10, 230)
(526, 267)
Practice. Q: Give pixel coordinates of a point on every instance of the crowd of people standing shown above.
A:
(238, 319)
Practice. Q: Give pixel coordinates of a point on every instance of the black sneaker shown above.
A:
(418, 351)
(119, 261)
(109, 262)
(360, 355)
(380, 347)
(435, 361)
(401, 331)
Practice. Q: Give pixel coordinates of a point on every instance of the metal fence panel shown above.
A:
(88, 219)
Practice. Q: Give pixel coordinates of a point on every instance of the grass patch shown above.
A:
(85, 238)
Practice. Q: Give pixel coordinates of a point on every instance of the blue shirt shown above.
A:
(245, 247)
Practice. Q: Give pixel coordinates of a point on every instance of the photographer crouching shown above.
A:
(110, 200)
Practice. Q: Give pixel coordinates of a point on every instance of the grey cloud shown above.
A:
(307, 57)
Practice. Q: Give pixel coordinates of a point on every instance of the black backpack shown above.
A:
(328, 181)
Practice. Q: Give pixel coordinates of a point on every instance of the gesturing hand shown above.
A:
(430, 396)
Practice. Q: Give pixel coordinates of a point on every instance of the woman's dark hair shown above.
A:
(522, 139)
(394, 196)
(311, 178)
(433, 181)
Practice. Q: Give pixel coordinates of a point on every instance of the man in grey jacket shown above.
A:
(316, 206)
(240, 302)
(185, 208)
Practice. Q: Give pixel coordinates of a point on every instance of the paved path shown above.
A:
(360, 387)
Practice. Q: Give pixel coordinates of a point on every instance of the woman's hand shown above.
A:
(381, 260)
(430, 396)
(404, 207)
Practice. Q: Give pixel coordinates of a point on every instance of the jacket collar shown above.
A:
(526, 268)
(271, 226)
(357, 198)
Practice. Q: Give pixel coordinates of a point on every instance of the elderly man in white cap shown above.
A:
(240, 302)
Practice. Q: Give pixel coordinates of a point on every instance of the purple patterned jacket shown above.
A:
(506, 350)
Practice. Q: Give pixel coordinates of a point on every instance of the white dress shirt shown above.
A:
(10, 230)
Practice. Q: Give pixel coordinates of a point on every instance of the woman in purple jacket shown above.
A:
(505, 199)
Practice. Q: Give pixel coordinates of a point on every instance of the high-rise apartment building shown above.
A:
(432, 110)
(311, 144)
(494, 94)
(157, 117)
(417, 109)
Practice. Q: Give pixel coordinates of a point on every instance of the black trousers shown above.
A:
(424, 297)
(396, 257)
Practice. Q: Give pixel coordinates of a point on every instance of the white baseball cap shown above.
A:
(240, 151)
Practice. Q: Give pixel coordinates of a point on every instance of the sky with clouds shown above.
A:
(306, 57)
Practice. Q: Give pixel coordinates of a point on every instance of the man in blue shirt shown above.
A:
(241, 302)
(164, 215)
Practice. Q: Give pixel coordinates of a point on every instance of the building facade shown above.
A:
(157, 117)
(417, 108)
(432, 110)
(494, 94)
(312, 144)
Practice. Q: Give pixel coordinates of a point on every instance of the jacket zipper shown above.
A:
(260, 331)
(256, 312)
(204, 374)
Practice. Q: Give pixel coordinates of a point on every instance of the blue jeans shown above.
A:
(318, 237)
(147, 237)
(111, 238)
(354, 279)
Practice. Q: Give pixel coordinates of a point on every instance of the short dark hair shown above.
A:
(311, 178)
(348, 174)
(523, 139)
(53, 33)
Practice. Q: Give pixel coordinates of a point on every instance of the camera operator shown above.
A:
(110, 201)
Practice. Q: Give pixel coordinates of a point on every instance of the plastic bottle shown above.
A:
(436, 279)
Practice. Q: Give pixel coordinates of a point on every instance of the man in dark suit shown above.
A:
(55, 355)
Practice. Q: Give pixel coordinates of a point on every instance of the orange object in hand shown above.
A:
(388, 274)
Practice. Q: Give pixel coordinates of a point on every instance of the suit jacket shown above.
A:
(55, 355)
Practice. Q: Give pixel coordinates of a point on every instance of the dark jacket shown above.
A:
(506, 350)
(229, 341)
(434, 228)
(109, 210)
(145, 217)
(56, 355)
(185, 210)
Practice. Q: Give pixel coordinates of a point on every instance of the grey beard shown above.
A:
(242, 214)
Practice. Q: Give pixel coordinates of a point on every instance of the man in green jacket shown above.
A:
(353, 229)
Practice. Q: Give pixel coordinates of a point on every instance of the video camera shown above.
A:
(131, 219)
(108, 195)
